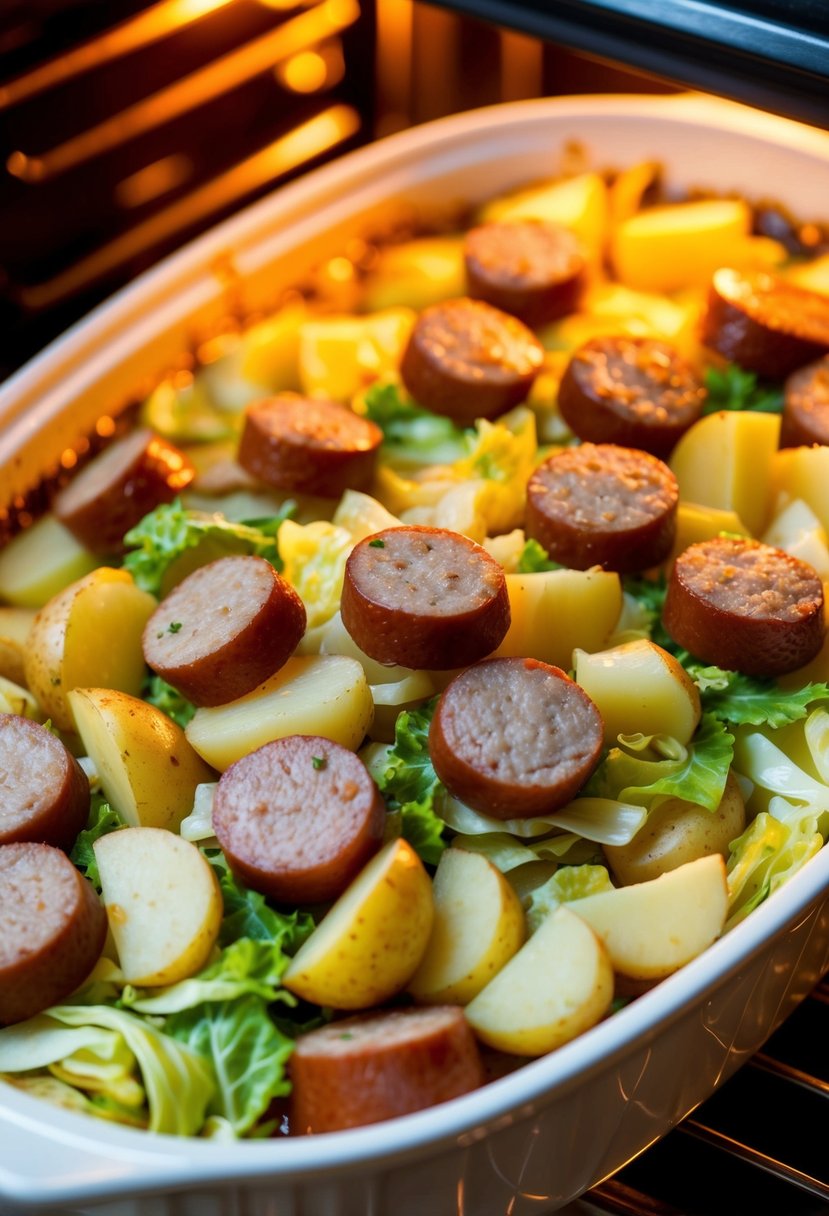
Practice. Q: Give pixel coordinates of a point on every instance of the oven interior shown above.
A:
(127, 128)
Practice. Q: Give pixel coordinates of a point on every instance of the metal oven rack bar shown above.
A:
(758, 1145)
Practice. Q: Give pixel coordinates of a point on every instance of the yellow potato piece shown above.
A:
(88, 636)
(678, 245)
(725, 460)
(416, 274)
(15, 624)
(653, 928)
(797, 530)
(371, 941)
(555, 611)
(579, 203)
(148, 770)
(479, 925)
(162, 901)
(813, 275)
(639, 687)
(325, 695)
(270, 350)
(558, 985)
(340, 356)
(40, 562)
(803, 473)
(678, 832)
(695, 522)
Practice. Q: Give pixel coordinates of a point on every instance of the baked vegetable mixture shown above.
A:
(434, 668)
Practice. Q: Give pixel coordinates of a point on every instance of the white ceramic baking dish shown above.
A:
(531, 1141)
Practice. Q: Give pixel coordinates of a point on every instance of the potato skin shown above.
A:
(678, 832)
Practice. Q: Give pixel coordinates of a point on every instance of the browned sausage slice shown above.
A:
(378, 1066)
(745, 606)
(119, 487)
(424, 597)
(602, 505)
(224, 629)
(298, 818)
(52, 929)
(307, 446)
(765, 324)
(806, 406)
(468, 360)
(515, 738)
(533, 270)
(636, 392)
(44, 792)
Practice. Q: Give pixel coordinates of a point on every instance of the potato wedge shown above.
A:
(639, 687)
(555, 611)
(479, 925)
(678, 832)
(579, 203)
(653, 928)
(558, 985)
(148, 770)
(40, 562)
(359, 955)
(415, 274)
(88, 636)
(324, 695)
(15, 624)
(680, 244)
(163, 903)
(803, 473)
(725, 460)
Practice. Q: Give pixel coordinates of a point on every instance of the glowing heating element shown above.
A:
(217, 78)
(307, 141)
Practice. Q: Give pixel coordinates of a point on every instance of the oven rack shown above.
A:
(758, 1145)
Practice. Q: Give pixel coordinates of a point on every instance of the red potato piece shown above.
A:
(806, 406)
(603, 505)
(424, 597)
(298, 819)
(636, 392)
(366, 1069)
(532, 270)
(52, 929)
(224, 629)
(306, 446)
(515, 738)
(745, 606)
(44, 792)
(119, 487)
(765, 324)
(468, 360)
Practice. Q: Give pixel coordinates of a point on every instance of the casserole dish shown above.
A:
(537, 1138)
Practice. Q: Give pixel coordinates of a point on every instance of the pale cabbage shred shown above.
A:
(77, 1050)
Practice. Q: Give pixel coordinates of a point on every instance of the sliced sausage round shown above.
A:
(515, 738)
(424, 597)
(532, 270)
(765, 324)
(745, 606)
(306, 446)
(378, 1066)
(806, 406)
(52, 929)
(224, 629)
(298, 818)
(119, 487)
(44, 792)
(603, 505)
(636, 392)
(468, 360)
